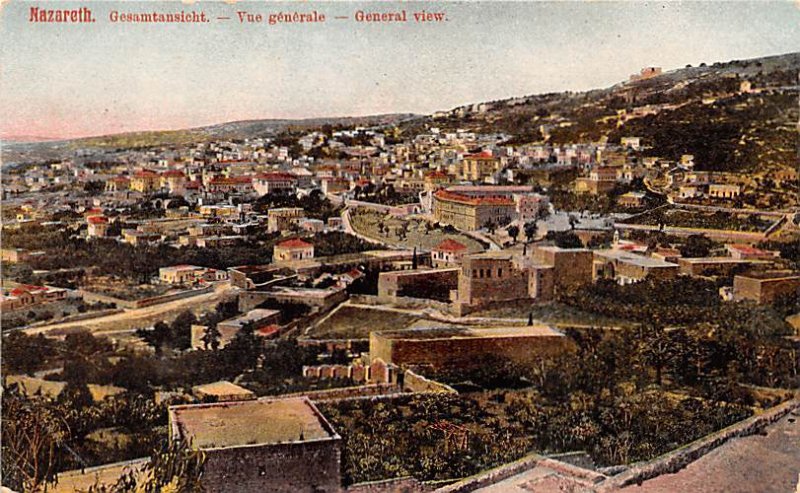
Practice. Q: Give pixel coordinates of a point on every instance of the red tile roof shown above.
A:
(97, 219)
(267, 330)
(449, 245)
(276, 177)
(173, 172)
(466, 199)
(294, 243)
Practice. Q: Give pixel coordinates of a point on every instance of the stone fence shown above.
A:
(678, 459)
(143, 302)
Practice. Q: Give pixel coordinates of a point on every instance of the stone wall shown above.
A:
(311, 466)
(143, 302)
(463, 352)
(680, 458)
(413, 382)
(430, 284)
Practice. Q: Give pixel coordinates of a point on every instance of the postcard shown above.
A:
(400, 246)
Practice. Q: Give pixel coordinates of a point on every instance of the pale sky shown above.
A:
(79, 80)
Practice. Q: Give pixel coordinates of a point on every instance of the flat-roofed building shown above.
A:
(717, 266)
(282, 445)
(627, 268)
(766, 287)
(488, 278)
(465, 346)
(281, 218)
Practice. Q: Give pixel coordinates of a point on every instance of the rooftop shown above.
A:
(222, 388)
(634, 259)
(449, 245)
(772, 275)
(243, 423)
(294, 243)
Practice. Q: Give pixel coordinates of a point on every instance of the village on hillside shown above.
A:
(563, 292)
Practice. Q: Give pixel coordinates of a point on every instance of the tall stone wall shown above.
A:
(312, 466)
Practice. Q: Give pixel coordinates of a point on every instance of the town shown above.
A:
(559, 292)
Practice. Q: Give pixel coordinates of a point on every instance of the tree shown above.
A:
(176, 466)
(531, 228)
(696, 246)
(212, 337)
(513, 232)
(657, 349)
(32, 435)
(573, 221)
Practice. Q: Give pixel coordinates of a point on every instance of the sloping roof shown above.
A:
(449, 245)
(465, 199)
(294, 243)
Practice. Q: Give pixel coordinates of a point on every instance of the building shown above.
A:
(294, 249)
(281, 445)
(627, 268)
(720, 191)
(601, 179)
(275, 183)
(555, 269)
(25, 296)
(530, 206)
(174, 180)
(631, 199)
(222, 391)
(145, 181)
(478, 167)
(465, 347)
(228, 185)
(469, 213)
(738, 251)
(281, 219)
(118, 184)
(97, 226)
(489, 278)
(436, 284)
(335, 185)
(448, 252)
(188, 274)
(766, 287)
(646, 73)
(631, 142)
(718, 266)
(136, 237)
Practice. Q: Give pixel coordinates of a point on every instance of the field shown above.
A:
(351, 322)
(406, 233)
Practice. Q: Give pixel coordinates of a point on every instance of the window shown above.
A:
(500, 272)
(481, 273)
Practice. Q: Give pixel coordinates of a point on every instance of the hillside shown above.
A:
(693, 110)
(238, 130)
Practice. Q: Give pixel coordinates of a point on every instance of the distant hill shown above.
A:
(27, 150)
(735, 132)
(695, 110)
